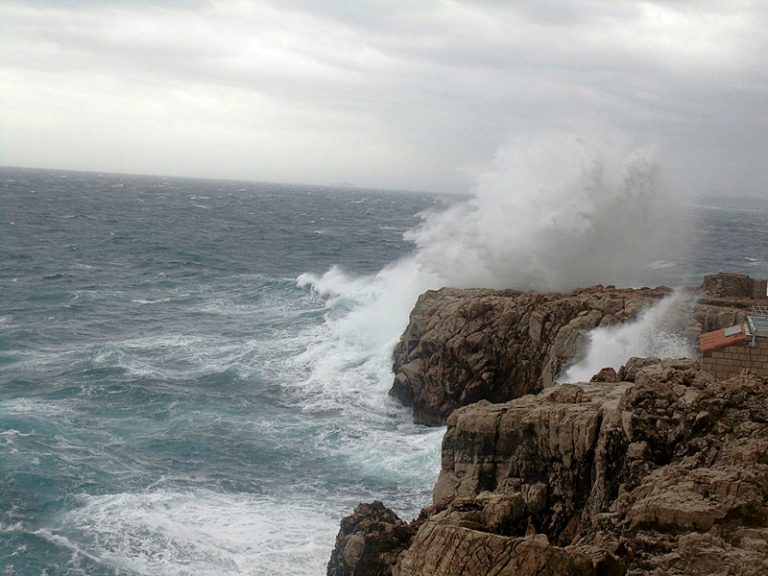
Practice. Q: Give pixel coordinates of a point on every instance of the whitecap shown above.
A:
(198, 532)
(144, 302)
(13, 432)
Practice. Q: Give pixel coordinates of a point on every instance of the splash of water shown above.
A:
(555, 213)
(658, 331)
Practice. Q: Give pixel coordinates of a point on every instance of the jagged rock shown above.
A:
(664, 475)
(448, 550)
(540, 446)
(664, 472)
(463, 346)
(629, 370)
(490, 534)
(369, 542)
(606, 374)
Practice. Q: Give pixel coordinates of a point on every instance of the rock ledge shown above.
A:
(665, 472)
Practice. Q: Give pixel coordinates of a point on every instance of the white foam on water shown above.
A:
(64, 542)
(200, 532)
(144, 302)
(35, 407)
(349, 358)
(658, 331)
(405, 457)
(13, 432)
(174, 356)
(345, 370)
(7, 440)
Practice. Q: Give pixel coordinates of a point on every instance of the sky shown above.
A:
(418, 95)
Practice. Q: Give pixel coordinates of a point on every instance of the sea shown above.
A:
(194, 373)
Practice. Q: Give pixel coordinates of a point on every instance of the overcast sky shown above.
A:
(396, 94)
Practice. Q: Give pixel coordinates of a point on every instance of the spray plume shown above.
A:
(554, 213)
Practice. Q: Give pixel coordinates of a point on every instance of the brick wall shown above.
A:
(731, 360)
(731, 285)
(759, 288)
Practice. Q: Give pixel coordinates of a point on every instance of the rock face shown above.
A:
(665, 472)
(461, 540)
(463, 346)
(655, 469)
(369, 541)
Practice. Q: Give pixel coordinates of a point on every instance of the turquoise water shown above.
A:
(162, 407)
(194, 374)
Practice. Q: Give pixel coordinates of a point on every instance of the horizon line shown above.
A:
(336, 186)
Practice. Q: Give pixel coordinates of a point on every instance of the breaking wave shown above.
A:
(552, 214)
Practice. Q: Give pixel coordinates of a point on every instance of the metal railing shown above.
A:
(758, 322)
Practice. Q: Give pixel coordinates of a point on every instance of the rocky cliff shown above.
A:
(665, 472)
(659, 469)
(463, 346)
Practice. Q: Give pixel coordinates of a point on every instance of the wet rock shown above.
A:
(606, 374)
(369, 542)
(463, 346)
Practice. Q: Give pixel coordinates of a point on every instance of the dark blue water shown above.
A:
(194, 374)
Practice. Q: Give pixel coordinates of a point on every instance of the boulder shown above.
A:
(369, 542)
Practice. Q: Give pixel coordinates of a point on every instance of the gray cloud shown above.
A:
(392, 94)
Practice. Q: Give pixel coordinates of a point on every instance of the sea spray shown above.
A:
(658, 331)
(554, 213)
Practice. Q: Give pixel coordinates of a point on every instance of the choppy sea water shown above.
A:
(194, 374)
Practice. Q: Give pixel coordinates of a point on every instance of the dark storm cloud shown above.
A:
(399, 94)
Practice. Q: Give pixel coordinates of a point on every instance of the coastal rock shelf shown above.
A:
(657, 468)
(663, 473)
(463, 346)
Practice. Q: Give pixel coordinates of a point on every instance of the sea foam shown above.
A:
(553, 214)
(202, 532)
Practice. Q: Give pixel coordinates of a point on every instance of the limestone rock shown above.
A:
(449, 550)
(656, 469)
(664, 475)
(369, 542)
(463, 346)
(543, 447)
(606, 374)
